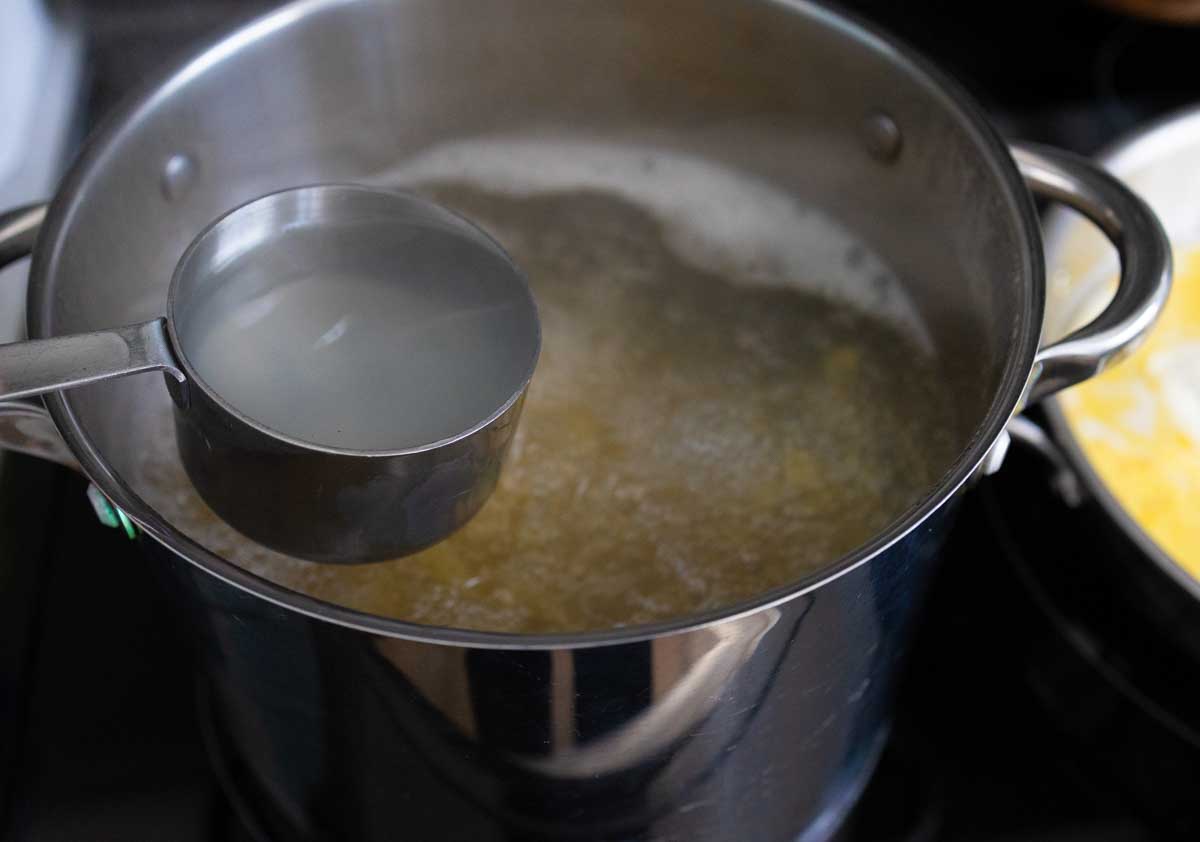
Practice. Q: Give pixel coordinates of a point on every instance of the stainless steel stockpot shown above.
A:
(760, 721)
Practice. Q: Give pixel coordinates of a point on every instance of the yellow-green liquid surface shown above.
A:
(689, 439)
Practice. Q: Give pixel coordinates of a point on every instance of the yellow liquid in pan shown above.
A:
(687, 441)
(1139, 423)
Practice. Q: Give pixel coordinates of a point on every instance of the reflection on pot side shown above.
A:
(688, 439)
(1139, 423)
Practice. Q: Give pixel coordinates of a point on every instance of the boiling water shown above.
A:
(698, 430)
(712, 218)
(424, 336)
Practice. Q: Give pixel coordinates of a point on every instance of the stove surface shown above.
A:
(100, 731)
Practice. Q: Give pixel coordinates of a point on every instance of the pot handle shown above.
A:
(25, 426)
(1145, 254)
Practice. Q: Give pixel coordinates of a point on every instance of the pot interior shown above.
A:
(658, 165)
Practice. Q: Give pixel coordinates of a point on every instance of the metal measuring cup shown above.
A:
(319, 502)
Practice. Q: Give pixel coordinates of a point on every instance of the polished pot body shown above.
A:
(759, 721)
(758, 727)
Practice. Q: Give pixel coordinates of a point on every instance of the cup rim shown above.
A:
(196, 380)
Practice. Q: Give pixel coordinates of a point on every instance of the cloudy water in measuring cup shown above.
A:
(411, 351)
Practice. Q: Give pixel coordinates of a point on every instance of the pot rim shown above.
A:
(1017, 367)
(1135, 147)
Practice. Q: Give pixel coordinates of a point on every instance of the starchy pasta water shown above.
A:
(699, 429)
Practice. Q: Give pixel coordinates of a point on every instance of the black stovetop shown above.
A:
(99, 733)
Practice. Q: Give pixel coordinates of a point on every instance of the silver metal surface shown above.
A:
(37, 366)
(349, 725)
(1145, 256)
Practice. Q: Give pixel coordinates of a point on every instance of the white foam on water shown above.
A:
(714, 218)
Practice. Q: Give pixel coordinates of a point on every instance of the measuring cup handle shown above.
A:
(1145, 255)
(18, 231)
(38, 366)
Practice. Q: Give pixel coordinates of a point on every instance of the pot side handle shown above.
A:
(25, 426)
(1145, 255)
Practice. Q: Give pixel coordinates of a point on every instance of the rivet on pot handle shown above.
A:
(1145, 255)
(25, 426)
